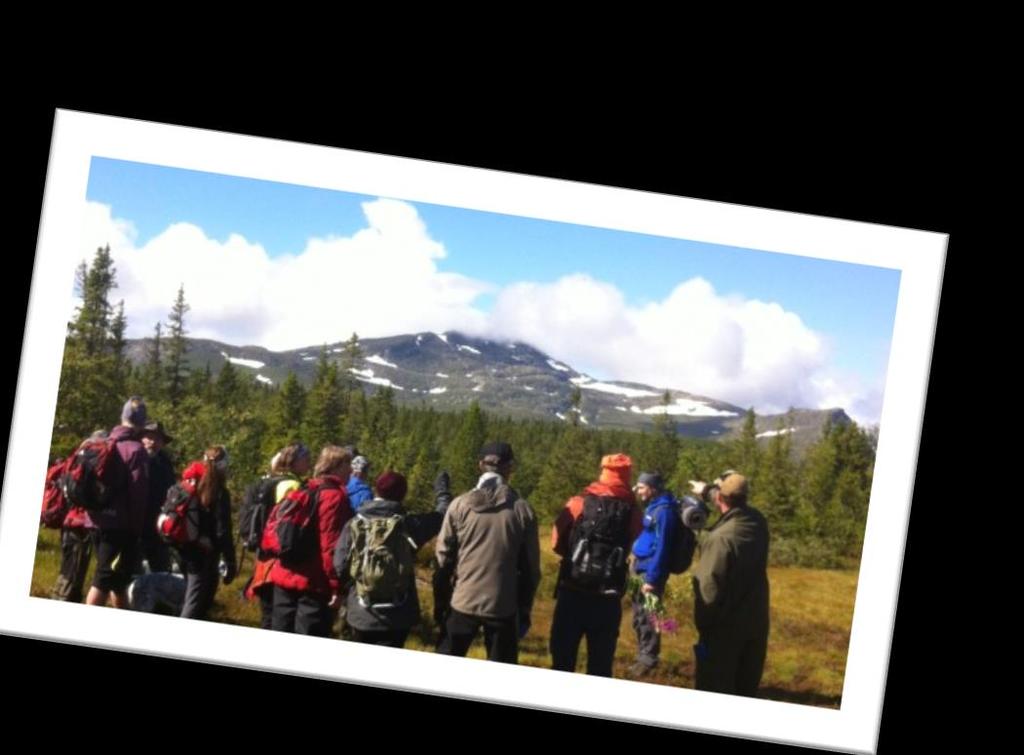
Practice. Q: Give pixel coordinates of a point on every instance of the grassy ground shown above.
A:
(811, 613)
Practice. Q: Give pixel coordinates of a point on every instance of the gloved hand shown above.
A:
(442, 491)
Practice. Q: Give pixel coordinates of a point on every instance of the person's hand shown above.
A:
(522, 624)
(442, 491)
(698, 488)
(646, 588)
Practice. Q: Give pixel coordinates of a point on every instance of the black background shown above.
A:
(872, 169)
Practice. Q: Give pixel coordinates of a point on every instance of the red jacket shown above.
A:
(573, 510)
(316, 574)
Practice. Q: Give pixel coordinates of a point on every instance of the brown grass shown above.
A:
(811, 613)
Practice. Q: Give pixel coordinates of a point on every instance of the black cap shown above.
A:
(157, 428)
(496, 453)
(652, 480)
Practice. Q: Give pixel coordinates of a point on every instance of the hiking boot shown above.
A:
(640, 670)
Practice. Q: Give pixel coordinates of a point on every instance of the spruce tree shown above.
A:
(92, 379)
(747, 453)
(776, 489)
(350, 357)
(152, 371)
(460, 457)
(324, 404)
(571, 465)
(228, 386)
(176, 348)
(121, 368)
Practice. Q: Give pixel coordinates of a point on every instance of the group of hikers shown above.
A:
(328, 539)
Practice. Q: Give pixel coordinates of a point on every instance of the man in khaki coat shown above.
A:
(730, 589)
(488, 542)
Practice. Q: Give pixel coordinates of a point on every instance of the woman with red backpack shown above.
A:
(304, 530)
(200, 558)
(287, 469)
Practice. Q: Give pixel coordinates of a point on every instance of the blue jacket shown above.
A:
(652, 549)
(358, 492)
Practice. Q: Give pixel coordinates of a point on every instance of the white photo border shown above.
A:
(919, 256)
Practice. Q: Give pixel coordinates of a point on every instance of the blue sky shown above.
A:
(851, 307)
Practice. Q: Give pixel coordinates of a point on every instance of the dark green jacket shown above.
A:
(730, 585)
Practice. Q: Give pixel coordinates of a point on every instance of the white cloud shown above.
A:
(324, 292)
(745, 351)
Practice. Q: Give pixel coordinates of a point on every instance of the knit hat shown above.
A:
(652, 480)
(616, 469)
(391, 486)
(134, 411)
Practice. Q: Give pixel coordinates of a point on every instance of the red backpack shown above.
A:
(178, 523)
(55, 505)
(291, 530)
(93, 474)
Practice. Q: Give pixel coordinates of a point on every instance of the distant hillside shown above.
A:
(448, 370)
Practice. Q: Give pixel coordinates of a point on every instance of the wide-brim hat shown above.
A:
(157, 428)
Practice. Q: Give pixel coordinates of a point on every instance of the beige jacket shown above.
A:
(489, 539)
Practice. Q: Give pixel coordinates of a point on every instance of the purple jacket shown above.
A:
(128, 508)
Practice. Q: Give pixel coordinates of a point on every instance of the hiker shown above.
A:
(358, 490)
(201, 559)
(488, 544)
(592, 534)
(306, 588)
(730, 589)
(75, 546)
(155, 553)
(376, 558)
(288, 467)
(651, 551)
(119, 525)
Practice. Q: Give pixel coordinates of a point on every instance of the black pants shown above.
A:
(733, 666)
(579, 615)
(648, 640)
(394, 638)
(301, 613)
(500, 636)
(117, 555)
(266, 596)
(201, 577)
(75, 552)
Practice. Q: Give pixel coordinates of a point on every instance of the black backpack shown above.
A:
(598, 546)
(258, 500)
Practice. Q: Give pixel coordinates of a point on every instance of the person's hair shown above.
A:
(288, 456)
(502, 468)
(214, 479)
(331, 459)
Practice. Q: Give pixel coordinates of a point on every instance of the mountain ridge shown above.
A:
(447, 370)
